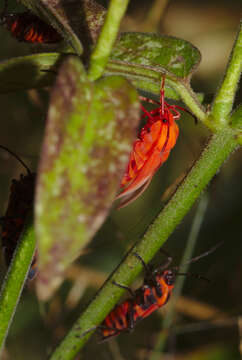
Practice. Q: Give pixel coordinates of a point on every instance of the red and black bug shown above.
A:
(152, 148)
(20, 205)
(29, 28)
(155, 293)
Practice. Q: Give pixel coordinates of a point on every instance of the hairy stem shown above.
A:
(223, 102)
(14, 282)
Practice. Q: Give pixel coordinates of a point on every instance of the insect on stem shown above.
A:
(152, 148)
(19, 207)
(153, 294)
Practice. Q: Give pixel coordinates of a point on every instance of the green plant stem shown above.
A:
(107, 37)
(190, 99)
(14, 282)
(191, 242)
(216, 152)
(223, 102)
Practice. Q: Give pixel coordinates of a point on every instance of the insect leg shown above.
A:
(176, 114)
(146, 113)
(132, 293)
(131, 322)
(174, 107)
(49, 71)
(107, 337)
(87, 331)
(162, 95)
(150, 101)
(99, 328)
(16, 157)
(167, 263)
(145, 266)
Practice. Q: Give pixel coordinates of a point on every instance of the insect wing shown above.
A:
(148, 154)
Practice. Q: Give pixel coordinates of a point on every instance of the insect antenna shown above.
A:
(188, 112)
(197, 276)
(162, 95)
(88, 331)
(16, 157)
(49, 71)
(206, 253)
(164, 266)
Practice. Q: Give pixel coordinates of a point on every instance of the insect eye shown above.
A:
(170, 277)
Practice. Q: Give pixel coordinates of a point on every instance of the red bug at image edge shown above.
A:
(28, 27)
(20, 205)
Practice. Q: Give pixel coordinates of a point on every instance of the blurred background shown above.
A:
(207, 322)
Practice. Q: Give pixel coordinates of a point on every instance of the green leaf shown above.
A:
(140, 57)
(145, 58)
(78, 21)
(176, 58)
(90, 129)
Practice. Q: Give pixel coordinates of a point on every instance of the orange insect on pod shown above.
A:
(152, 148)
(29, 28)
(20, 205)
